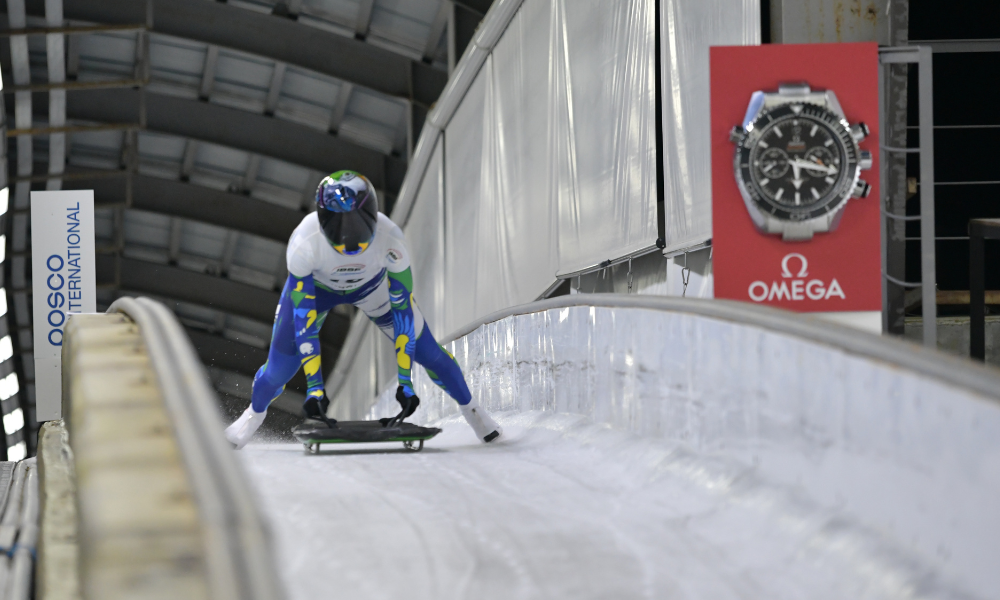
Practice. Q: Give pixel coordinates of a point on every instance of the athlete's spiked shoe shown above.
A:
(481, 422)
(240, 432)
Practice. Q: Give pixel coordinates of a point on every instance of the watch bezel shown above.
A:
(841, 190)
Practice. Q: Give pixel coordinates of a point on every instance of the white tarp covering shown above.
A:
(425, 224)
(688, 28)
(549, 160)
(547, 164)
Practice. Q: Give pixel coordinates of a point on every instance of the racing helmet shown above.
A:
(348, 211)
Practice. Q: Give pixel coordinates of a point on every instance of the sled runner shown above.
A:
(312, 433)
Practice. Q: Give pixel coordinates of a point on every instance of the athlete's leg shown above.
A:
(443, 370)
(268, 383)
(282, 358)
(441, 366)
(282, 363)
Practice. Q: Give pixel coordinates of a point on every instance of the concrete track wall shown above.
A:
(904, 440)
(139, 528)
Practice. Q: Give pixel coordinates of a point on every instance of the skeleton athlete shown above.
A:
(349, 253)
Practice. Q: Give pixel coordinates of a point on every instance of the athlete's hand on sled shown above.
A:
(316, 405)
(409, 403)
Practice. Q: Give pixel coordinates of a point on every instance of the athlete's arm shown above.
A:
(407, 321)
(303, 295)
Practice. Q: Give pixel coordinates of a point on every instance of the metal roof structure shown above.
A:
(204, 127)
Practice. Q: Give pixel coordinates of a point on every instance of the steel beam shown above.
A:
(187, 286)
(274, 89)
(217, 293)
(55, 52)
(250, 176)
(228, 355)
(174, 245)
(479, 6)
(207, 122)
(282, 39)
(340, 107)
(216, 351)
(72, 56)
(364, 20)
(72, 129)
(229, 250)
(440, 23)
(208, 72)
(75, 85)
(196, 203)
(288, 8)
(187, 160)
(37, 8)
(948, 46)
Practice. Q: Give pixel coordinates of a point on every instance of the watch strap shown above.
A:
(796, 232)
(794, 89)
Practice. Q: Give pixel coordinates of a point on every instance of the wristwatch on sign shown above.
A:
(798, 161)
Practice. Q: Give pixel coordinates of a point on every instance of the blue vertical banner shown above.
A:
(64, 282)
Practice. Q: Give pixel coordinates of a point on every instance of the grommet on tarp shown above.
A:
(685, 275)
(630, 275)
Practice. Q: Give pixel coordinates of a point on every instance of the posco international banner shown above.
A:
(64, 282)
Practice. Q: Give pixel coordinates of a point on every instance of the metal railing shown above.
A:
(922, 56)
(951, 370)
(19, 532)
(237, 543)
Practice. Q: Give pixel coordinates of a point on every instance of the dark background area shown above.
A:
(966, 137)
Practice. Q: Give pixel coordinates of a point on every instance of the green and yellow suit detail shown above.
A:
(307, 326)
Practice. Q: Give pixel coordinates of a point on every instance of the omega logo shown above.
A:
(800, 289)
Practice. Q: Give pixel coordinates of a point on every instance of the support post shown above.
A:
(928, 263)
(980, 230)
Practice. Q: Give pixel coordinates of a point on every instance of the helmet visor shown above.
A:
(338, 197)
(348, 232)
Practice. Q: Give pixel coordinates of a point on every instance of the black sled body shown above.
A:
(313, 433)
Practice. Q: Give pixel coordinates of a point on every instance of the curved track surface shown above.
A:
(560, 509)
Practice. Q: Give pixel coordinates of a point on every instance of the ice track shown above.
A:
(560, 509)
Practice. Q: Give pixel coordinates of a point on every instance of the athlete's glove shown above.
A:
(315, 407)
(409, 403)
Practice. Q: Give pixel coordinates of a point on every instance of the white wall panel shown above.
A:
(517, 226)
(426, 224)
(463, 157)
(548, 164)
(688, 28)
(551, 156)
(602, 118)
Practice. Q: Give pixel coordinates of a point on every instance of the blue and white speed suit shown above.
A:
(379, 282)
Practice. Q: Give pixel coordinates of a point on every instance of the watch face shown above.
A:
(797, 162)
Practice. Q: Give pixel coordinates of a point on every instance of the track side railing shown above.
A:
(164, 505)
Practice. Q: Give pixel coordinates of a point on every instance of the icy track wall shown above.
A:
(906, 441)
(539, 159)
